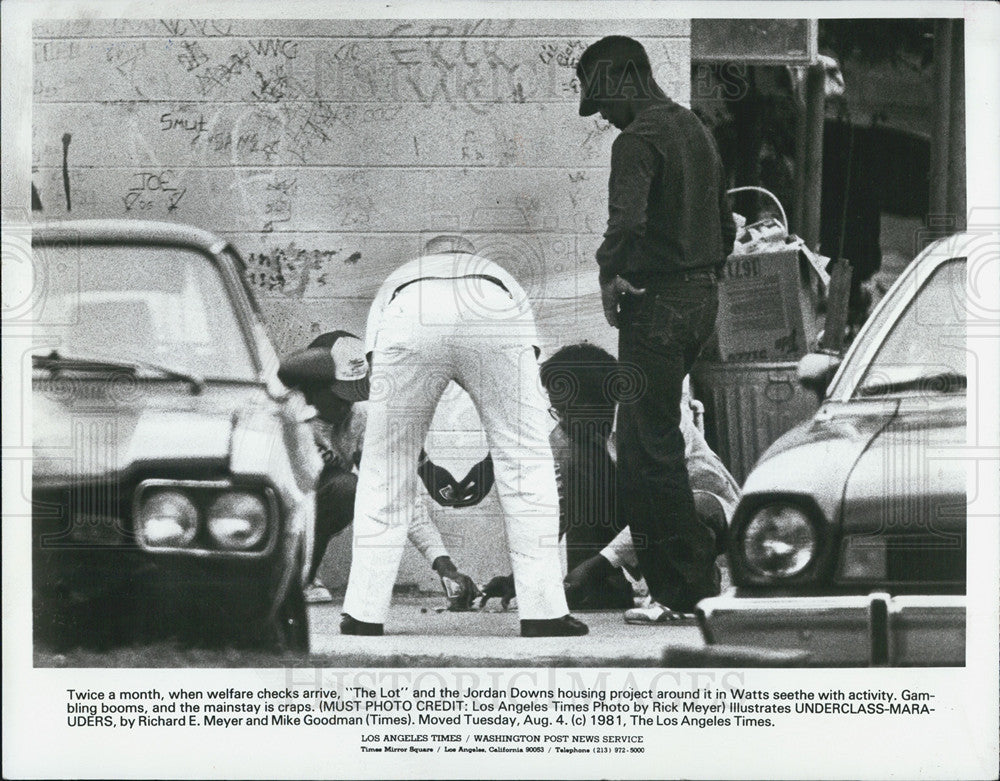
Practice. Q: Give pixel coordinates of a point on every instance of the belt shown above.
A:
(487, 277)
(690, 276)
(677, 275)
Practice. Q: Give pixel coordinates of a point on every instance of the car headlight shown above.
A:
(168, 519)
(779, 541)
(237, 520)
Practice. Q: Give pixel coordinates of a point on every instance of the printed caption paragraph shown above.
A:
(480, 719)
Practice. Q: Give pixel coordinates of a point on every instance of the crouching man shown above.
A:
(584, 383)
(332, 374)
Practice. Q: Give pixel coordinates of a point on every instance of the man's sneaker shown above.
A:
(349, 625)
(655, 613)
(317, 592)
(567, 626)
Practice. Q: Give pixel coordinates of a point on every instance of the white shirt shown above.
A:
(449, 265)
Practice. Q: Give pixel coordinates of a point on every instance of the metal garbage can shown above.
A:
(747, 407)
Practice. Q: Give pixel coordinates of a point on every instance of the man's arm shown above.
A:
(633, 165)
(620, 552)
(459, 588)
(424, 534)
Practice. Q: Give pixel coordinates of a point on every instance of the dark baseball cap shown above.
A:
(336, 359)
(617, 53)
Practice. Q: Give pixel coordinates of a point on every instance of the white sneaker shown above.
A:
(317, 592)
(654, 613)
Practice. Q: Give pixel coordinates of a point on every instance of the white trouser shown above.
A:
(433, 332)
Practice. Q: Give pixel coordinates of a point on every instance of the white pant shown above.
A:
(433, 332)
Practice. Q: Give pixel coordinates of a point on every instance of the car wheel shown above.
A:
(291, 623)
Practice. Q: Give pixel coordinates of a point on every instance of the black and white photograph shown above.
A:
(606, 382)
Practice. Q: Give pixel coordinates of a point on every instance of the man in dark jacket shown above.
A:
(669, 231)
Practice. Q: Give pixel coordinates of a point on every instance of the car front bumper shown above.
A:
(843, 631)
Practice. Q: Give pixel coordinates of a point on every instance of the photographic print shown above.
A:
(455, 382)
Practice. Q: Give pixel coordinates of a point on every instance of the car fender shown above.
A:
(814, 460)
(258, 452)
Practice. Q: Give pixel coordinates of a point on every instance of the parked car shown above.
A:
(849, 543)
(172, 484)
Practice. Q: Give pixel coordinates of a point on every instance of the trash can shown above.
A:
(747, 375)
(747, 407)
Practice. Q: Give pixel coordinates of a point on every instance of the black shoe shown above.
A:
(567, 626)
(351, 626)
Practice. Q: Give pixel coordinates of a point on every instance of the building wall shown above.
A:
(330, 150)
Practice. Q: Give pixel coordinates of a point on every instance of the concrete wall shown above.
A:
(330, 150)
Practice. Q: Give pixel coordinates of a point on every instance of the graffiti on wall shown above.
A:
(331, 150)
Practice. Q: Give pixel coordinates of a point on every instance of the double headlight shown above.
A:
(192, 515)
(779, 541)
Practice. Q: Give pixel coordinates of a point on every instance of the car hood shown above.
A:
(814, 458)
(911, 479)
(92, 431)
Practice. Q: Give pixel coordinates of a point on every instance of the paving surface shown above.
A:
(417, 635)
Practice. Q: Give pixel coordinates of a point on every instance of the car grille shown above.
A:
(903, 559)
(929, 564)
(82, 516)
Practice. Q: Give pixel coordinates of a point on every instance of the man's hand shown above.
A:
(475, 485)
(612, 293)
(447, 491)
(501, 586)
(439, 481)
(460, 590)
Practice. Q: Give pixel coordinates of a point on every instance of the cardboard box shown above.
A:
(765, 314)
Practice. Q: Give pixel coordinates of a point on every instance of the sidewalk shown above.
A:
(419, 636)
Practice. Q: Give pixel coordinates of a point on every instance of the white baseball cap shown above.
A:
(336, 358)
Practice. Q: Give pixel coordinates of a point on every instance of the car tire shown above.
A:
(288, 630)
(292, 622)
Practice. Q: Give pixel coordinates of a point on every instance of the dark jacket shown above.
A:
(667, 203)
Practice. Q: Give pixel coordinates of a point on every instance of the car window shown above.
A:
(241, 272)
(924, 351)
(265, 347)
(162, 305)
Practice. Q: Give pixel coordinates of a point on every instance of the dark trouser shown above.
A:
(661, 334)
(587, 504)
(335, 490)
